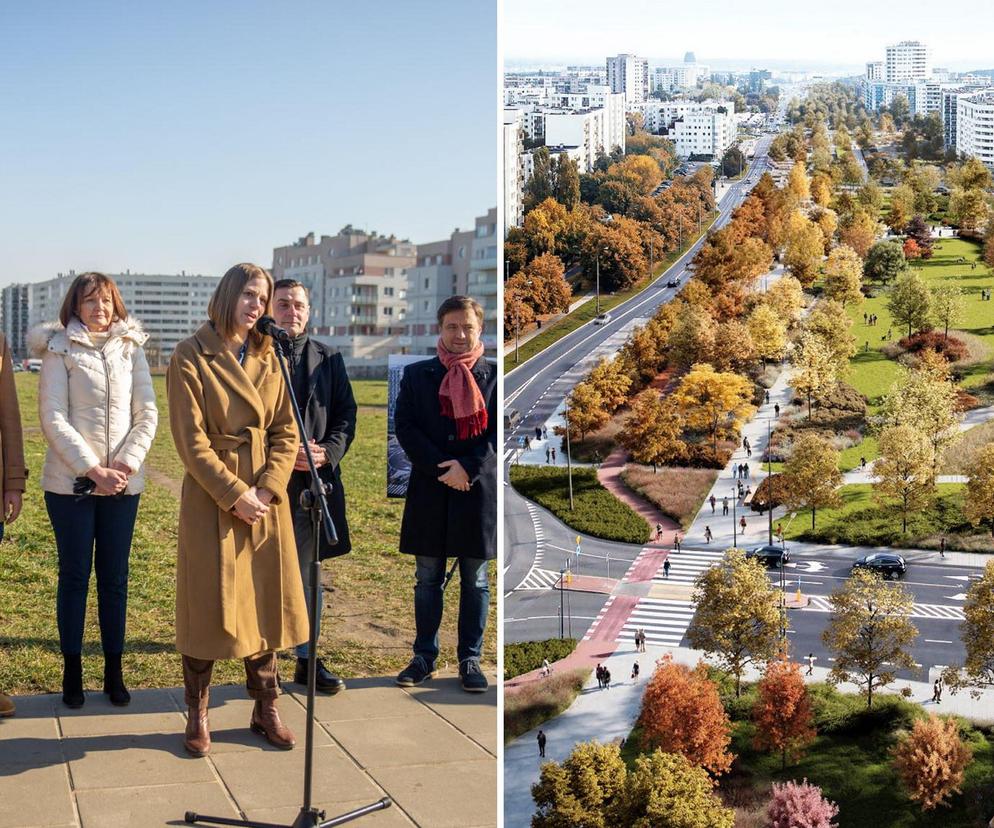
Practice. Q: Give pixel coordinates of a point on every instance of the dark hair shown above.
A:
(81, 287)
(290, 283)
(221, 308)
(460, 303)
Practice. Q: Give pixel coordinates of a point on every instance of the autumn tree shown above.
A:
(910, 302)
(581, 790)
(643, 352)
(798, 186)
(615, 248)
(919, 231)
(710, 400)
(783, 715)
(869, 632)
(977, 635)
(785, 298)
(812, 474)
(652, 432)
(737, 620)
(793, 805)
(609, 379)
(828, 222)
(666, 790)
(733, 348)
(931, 759)
(585, 409)
(829, 323)
(639, 170)
(769, 333)
(978, 506)
(518, 311)
(804, 250)
(904, 470)
(947, 306)
(692, 337)
(844, 276)
(814, 372)
(821, 189)
(858, 230)
(546, 278)
(989, 245)
(902, 207)
(968, 202)
(682, 713)
(539, 186)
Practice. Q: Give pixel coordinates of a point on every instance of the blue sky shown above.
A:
(784, 32)
(175, 136)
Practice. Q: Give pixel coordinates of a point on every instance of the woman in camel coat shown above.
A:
(238, 588)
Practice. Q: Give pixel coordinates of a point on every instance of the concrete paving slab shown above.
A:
(261, 780)
(30, 740)
(151, 711)
(150, 807)
(131, 760)
(392, 817)
(450, 795)
(374, 698)
(410, 740)
(35, 795)
(475, 714)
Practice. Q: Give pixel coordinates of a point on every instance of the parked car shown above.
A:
(675, 282)
(888, 564)
(603, 319)
(769, 555)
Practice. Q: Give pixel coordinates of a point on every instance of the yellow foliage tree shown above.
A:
(769, 333)
(931, 760)
(710, 400)
(844, 276)
(904, 470)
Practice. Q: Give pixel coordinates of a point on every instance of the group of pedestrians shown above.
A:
(550, 454)
(603, 677)
(870, 319)
(740, 471)
(640, 640)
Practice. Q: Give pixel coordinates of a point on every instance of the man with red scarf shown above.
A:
(446, 421)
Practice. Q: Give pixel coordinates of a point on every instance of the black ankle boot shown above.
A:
(114, 681)
(72, 681)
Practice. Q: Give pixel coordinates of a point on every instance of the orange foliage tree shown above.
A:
(783, 714)
(682, 713)
(930, 761)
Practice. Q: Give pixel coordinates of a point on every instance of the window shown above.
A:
(388, 311)
(427, 283)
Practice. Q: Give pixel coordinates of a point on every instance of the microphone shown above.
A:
(267, 326)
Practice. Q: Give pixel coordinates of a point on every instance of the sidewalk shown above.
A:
(609, 475)
(432, 749)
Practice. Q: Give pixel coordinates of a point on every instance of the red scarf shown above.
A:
(459, 396)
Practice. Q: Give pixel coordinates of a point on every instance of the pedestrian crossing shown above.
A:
(820, 603)
(664, 621)
(538, 578)
(685, 566)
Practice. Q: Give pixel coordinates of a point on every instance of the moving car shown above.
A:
(603, 319)
(511, 418)
(674, 282)
(768, 555)
(888, 564)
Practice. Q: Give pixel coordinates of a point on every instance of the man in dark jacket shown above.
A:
(446, 421)
(324, 394)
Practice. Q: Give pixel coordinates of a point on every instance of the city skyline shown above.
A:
(188, 137)
(850, 35)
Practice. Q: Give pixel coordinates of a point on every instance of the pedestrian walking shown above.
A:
(659, 531)
(541, 744)
(635, 672)
(942, 547)
(547, 455)
(779, 530)
(546, 667)
(707, 534)
(677, 539)
(741, 490)
(811, 664)
(666, 569)
(553, 455)
(713, 501)
(767, 397)
(746, 470)
(749, 451)
(607, 678)
(748, 492)
(776, 409)
(538, 433)
(545, 433)
(735, 470)
(599, 672)
(864, 318)
(937, 691)
(862, 463)
(643, 639)
(724, 505)
(742, 523)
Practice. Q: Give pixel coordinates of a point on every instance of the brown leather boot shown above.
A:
(6, 706)
(266, 722)
(197, 739)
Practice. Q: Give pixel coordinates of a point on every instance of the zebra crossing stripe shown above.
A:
(819, 603)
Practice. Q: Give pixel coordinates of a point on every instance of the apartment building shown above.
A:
(975, 126)
(15, 317)
(514, 177)
(629, 74)
(906, 61)
(482, 284)
(696, 128)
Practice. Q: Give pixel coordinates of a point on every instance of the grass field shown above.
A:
(873, 373)
(368, 620)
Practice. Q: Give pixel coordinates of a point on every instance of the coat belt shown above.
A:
(255, 439)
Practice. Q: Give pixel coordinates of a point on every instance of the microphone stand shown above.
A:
(315, 501)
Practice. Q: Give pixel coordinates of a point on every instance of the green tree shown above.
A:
(869, 632)
(904, 470)
(733, 162)
(910, 302)
(885, 262)
(581, 790)
(737, 620)
(540, 186)
(844, 276)
(812, 475)
(567, 189)
(947, 306)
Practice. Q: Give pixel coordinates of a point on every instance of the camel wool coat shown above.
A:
(238, 587)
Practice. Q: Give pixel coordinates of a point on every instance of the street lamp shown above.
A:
(735, 524)
(569, 465)
(517, 323)
(769, 474)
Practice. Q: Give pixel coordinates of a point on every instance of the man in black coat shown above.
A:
(446, 421)
(324, 394)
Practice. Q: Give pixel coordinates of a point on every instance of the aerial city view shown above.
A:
(748, 417)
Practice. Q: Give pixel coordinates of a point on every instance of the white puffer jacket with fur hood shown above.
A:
(96, 405)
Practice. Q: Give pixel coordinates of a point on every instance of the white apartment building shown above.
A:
(696, 128)
(591, 131)
(975, 126)
(677, 78)
(358, 288)
(482, 284)
(908, 60)
(875, 70)
(170, 307)
(629, 74)
(514, 176)
(580, 78)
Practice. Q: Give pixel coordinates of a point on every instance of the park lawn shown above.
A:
(862, 521)
(368, 619)
(873, 373)
(588, 310)
(595, 512)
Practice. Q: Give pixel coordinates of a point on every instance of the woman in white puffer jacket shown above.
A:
(98, 413)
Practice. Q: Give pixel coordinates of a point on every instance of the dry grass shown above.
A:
(679, 493)
(539, 701)
(595, 447)
(959, 457)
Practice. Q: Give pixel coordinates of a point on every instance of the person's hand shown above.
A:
(249, 507)
(455, 476)
(317, 452)
(117, 465)
(109, 481)
(265, 496)
(11, 506)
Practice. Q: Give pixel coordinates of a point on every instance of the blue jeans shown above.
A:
(474, 601)
(87, 530)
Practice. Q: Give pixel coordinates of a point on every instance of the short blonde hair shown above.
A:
(221, 308)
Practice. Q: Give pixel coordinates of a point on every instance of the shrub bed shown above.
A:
(596, 511)
(951, 348)
(526, 708)
(678, 492)
(527, 655)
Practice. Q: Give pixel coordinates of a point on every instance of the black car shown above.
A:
(673, 283)
(768, 555)
(888, 564)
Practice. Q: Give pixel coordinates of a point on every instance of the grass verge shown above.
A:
(679, 493)
(539, 701)
(595, 512)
